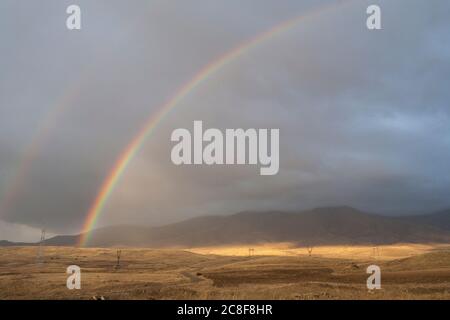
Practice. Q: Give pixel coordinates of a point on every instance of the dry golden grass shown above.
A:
(277, 271)
(356, 252)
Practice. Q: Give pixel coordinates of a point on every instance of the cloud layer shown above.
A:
(363, 115)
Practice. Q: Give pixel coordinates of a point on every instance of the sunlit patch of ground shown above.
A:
(277, 271)
(356, 252)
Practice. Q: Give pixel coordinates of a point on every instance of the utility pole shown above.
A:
(41, 247)
(119, 253)
(375, 252)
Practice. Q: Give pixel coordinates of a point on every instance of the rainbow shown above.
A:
(31, 151)
(43, 131)
(134, 146)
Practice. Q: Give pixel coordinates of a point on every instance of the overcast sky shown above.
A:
(364, 116)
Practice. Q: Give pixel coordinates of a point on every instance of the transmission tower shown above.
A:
(41, 247)
(119, 253)
(375, 252)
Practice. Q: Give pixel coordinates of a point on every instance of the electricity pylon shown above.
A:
(41, 247)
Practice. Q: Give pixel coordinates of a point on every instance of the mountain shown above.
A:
(439, 220)
(62, 241)
(332, 225)
(5, 243)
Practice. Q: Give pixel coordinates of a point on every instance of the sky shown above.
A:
(364, 115)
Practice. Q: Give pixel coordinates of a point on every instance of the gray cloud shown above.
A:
(363, 116)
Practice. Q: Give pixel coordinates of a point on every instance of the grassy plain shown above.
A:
(274, 271)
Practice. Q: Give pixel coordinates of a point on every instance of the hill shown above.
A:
(321, 226)
(439, 220)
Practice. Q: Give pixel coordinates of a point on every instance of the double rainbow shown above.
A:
(135, 145)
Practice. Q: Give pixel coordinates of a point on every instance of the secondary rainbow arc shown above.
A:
(134, 146)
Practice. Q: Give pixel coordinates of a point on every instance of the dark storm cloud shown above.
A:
(363, 116)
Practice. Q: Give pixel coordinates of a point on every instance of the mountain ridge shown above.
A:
(319, 226)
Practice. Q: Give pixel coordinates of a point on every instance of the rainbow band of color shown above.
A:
(31, 152)
(133, 148)
(17, 180)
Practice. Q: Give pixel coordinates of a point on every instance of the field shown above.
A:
(275, 271)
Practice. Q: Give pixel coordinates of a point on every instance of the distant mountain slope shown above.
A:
(333, 225)
(62, 241)
(337, 225)
(5, 243)
(340, 225)
(440, 220)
